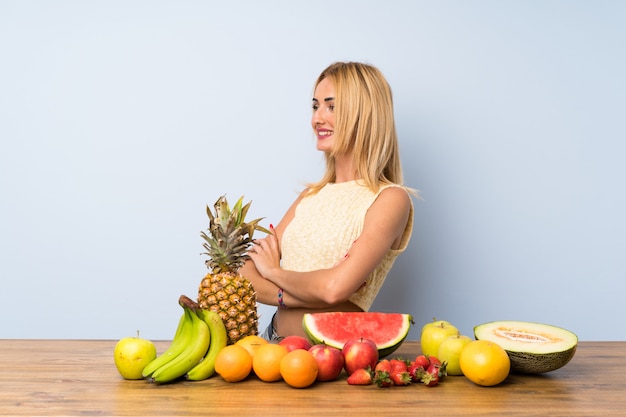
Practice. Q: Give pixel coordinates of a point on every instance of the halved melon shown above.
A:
(387, 330)
(532, 347)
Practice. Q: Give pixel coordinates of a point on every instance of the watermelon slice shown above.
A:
(387, 330)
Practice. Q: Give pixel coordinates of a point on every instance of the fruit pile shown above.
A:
(218, 335)
(200, 350)
(300, 364)
(482, 362)
(400, 372)
(444, 352)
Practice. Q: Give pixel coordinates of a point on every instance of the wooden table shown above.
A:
(78, 377)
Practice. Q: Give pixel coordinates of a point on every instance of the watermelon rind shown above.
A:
(386, 330)
(533, 348)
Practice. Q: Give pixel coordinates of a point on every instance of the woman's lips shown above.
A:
(324, 133)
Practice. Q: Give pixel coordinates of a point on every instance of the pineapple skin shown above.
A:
(233, 297)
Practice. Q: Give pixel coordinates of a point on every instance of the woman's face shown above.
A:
(323, 119)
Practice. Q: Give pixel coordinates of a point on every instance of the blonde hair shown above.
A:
(364, 124)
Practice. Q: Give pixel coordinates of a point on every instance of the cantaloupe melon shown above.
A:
(386, 330)
(532, 347)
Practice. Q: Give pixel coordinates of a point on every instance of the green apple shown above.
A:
(433, 334)
(132, 354)
(450, 351)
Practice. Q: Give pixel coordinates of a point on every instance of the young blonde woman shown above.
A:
(333, 248)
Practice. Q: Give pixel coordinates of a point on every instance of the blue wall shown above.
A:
(120, 121)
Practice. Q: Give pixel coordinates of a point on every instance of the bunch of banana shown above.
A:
(219, 338)
(199, 337)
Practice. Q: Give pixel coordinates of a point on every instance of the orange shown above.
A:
(266, 361)
(299, 368)
(484, 363)
(233, 363)
(251, 343)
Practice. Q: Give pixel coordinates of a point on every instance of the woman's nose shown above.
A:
(316, 117)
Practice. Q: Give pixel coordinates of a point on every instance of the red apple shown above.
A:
(329, 361)
(359, 354)
(295, 342)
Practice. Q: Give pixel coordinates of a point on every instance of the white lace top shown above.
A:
(324, 227)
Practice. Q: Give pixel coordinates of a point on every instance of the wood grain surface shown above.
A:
(78, 378)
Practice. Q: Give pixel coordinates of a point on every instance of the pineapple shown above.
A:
(223, 289)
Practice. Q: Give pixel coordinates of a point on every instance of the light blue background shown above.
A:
(121, 120)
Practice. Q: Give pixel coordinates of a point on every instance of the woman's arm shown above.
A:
(383, 228)
(267, 291)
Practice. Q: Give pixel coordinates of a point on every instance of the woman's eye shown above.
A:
(315, 107)
(331, 107)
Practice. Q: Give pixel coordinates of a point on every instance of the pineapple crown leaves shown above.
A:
(229, 235)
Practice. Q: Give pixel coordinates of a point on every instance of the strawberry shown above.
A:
(415, 371)
(383, 365)
(399, 373)
(423, 361)
(381, 378)
(433, 361)
(441, 366)
(360, 377)
(398, 365)
(400, 378)
(430, 378)
(381, 373)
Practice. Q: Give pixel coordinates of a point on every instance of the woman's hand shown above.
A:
(266, 254)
